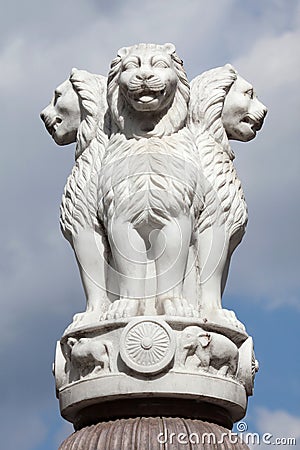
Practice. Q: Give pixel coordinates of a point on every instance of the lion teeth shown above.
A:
(146, 98)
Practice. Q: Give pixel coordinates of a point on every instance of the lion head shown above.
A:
(225, 105)
(148, 91)
(62, 116)
(77, 110)
(243, 114)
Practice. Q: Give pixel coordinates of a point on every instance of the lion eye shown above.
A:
(161, 64)
(250, 92)
(56, 97)
(130, 65)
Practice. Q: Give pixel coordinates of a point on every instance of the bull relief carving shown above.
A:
(87, 357)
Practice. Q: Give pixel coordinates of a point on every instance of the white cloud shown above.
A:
(32, 59)
(280, 424)
(266, 266)
(264, 65)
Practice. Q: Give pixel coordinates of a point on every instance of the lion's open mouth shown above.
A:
(147, 96)
(54, 125)
(254, 121)
(51, 124)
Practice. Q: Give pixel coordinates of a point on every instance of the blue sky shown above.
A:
(40, 43)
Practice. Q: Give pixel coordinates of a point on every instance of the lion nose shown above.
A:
(145, 76)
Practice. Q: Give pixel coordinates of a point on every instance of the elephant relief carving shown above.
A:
(212, 352)
(87, 357)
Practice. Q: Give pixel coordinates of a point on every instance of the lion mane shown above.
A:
(207, 99)
(79, 201)
(224, 197)
(175, 117)
(147, 189)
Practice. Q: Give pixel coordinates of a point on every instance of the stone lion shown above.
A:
(77, 113)
(223, 106)
(150, 190)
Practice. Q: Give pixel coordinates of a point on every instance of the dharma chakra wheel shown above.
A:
(147, 345)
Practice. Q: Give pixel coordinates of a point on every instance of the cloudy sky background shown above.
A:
(40, 43)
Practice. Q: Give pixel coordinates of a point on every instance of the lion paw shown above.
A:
(176, 306)
(124, 307)
(231, 317)
(84, 318)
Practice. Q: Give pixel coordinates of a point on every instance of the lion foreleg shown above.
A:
(213, 247)
(170, 250)
(130, 259)
(233, 243)
(90, 255)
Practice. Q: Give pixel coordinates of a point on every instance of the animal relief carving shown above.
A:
(153, 209)
(87, 357)
(203, 350)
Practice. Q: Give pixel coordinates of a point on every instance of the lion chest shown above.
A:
(148, 180)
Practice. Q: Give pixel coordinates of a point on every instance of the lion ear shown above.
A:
(170, 48)
(73, 71)
(122, 52)
(230, 68)
(204, 339)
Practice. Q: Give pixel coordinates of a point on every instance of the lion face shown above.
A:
(148, 91)
(243, 114)
(62, 116)
(148, 80)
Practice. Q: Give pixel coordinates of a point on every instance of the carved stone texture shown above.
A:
(153, 190)
(77, 113)
(138, 359)
(59, 369)
(154, 164)
(87, 357)
(223, 106)
(150, 191)
(208, 351)
(248, 365)
(147, 346)
(154, 433)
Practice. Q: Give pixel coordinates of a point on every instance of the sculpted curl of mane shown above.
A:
(224, 197)
(171, 122)
(208, 92)
(79, 201)
(91, 90)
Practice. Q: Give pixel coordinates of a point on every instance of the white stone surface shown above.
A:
(225, 393)
(214, 373)
(150, 192)
(77, 113)
(147, 346)
(202, 350)
(223, 106)
(153, 210)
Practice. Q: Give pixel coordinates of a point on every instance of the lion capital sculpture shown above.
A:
(153, 179)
